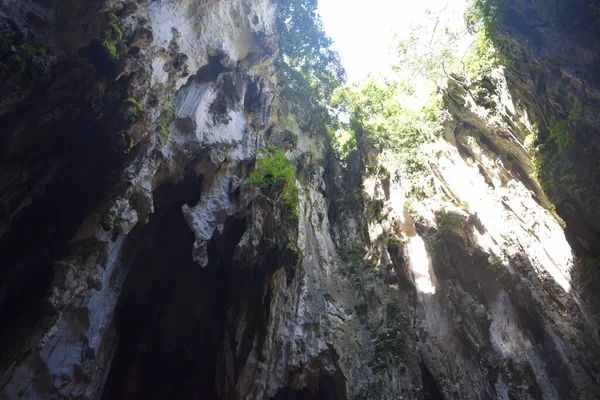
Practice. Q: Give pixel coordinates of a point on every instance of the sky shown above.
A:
(363, 30)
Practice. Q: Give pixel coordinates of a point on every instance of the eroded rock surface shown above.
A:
(139, 262)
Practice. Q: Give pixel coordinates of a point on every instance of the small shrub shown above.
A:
(167, 118)
(559, 134)
(448, 221)
(135, 108)
(290, 124)
(390, 338)
(117, 31)
(394, 241)
(129, 146)
(112, 17)
(497, 266)
(574, 113)
(22, 62)
(111, 50)
(275, 173)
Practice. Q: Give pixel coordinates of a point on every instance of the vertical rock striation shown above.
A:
(140, 262)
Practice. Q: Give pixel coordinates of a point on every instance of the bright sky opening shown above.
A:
(363, 32)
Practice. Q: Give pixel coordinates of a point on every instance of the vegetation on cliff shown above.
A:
(309, 69)
(22, 60)
(275, 174)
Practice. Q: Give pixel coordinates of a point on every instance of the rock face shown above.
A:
(139, 262)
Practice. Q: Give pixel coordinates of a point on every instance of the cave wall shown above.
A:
(495, 240)
(139, 262)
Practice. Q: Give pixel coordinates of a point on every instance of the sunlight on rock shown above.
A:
(512, 220)
(420, 264)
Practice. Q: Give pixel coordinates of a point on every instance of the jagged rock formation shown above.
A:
(140, 262)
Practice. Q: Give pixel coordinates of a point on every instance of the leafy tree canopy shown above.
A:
(309, 68)
(439, 47)
(379, 109)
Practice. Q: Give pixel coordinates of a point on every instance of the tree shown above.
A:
(375, 109)
(439, 47)
(432, 48)
(308, 67)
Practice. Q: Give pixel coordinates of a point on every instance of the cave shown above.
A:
(430, 387)
(82, 160)
(327, 388)
(174, 316)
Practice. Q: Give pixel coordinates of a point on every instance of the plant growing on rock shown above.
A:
(135, 109)
(560, 132)
(167, 118)
(112, 17)
(127, 140)
(22, 60)
(390, 338)
(111, 50)
(450, 227)
(117, 31)
(276, 174)
(394, 241)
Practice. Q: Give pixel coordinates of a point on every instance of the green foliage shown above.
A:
(111, 50)
(343, 141)
(435, 49)
(449, 223)
(356, 254)
(574, 113)
(497, 266)
(117, 31)
(129, 146)
(554, 176)
(351, 199)
(165, 121)
(545, 167)
(430, 50)
(376, 113)
(559, 133)
(489, 14)
(487, 17)
(358, 268)
(277, 175)
(481, 58)
(390, 339)
(112, 17)
(22, 60)
(529, 142)
(566, 15)
(309, 69)
(290, 124)
(394, 241)
(128, 141)
(135, 108)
